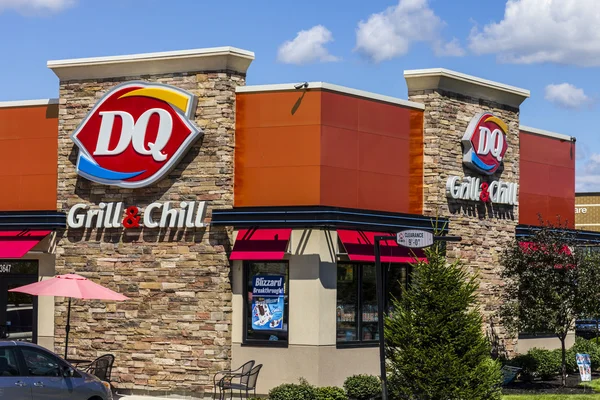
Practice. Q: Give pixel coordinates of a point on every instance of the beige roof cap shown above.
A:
(168, 62)
(456, 82)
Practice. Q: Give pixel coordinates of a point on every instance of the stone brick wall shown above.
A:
(175, 331)
(485, 231)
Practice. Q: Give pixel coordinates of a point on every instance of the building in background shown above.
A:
(587, 211)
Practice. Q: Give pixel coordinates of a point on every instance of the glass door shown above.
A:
(18, 311)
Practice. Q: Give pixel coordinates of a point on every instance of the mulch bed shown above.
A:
(552, 386)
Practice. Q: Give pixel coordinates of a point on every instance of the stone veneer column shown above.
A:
(175, 332)
(451, 100)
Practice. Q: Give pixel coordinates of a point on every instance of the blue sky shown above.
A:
(550, 47)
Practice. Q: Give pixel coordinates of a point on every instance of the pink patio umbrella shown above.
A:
(71, 286)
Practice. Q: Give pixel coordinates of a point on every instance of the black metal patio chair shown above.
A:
(102, 367)
(248, 383)
(223, 379)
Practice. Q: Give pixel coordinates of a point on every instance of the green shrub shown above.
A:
(331, 393)
(527, 364)
(547, 363)
(585, 347)
(292, 391)
(362, 387)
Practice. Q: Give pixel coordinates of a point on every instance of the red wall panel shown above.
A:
(547, 183)
(373, 138)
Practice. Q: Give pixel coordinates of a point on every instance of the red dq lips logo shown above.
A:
(135, 134)
(484, 143)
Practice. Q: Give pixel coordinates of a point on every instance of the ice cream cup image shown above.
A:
(275, 323)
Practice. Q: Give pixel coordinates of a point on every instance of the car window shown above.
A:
(8, 362)
(40, 363)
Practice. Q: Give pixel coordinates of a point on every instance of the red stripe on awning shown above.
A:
(360, 246)
(15, 244)
(261, 244)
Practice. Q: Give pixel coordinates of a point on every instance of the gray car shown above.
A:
(30, 372)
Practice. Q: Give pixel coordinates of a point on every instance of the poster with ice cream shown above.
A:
(584, 364)
(267, 302)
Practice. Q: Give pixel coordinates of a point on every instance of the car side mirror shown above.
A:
(67, 372)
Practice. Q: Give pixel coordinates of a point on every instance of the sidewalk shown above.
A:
(140, 397)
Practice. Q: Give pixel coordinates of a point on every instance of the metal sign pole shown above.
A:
(381, 299)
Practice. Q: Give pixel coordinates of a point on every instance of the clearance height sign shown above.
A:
(587, 212)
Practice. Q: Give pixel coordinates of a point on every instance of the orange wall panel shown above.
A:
(277, 149)
(547, 179)
(415, 181)
(276, 186)
(278, 109)
(28, 157)
(318, 147)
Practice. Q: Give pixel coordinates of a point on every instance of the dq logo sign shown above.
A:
(135, 134)
(484, 143)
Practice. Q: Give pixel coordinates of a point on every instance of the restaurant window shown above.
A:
(266, 308)
(357, 300)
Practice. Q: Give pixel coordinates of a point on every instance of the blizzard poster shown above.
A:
(267, 302)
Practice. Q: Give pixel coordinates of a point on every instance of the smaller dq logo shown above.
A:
(485, 143)
(135, 134)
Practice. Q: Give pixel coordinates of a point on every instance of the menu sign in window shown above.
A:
(267, 302)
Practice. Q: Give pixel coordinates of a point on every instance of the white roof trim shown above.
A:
(208, 59)
(545, 133)
(441, 78)
(28, 103)
(331, 87)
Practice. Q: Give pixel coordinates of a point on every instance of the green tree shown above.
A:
(550, 279)
(435, 345)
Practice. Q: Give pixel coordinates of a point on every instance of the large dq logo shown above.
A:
(135, 134)
(484, 143)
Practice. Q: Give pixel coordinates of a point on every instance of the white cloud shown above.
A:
(389, 34)
(566, 95)
(450, 49)
(307, 47)
(537, 31)
(32, 6)
(582, 151)
(587, 178)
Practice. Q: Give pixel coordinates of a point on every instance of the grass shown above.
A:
(594, 386)
(553, 397)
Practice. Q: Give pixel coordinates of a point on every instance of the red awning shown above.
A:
(360, 247)
(261, 244)
(15, 244)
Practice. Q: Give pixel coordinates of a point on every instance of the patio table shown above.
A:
(76, 361)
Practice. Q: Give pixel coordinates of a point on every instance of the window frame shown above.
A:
(358, 268)
(254, 342)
